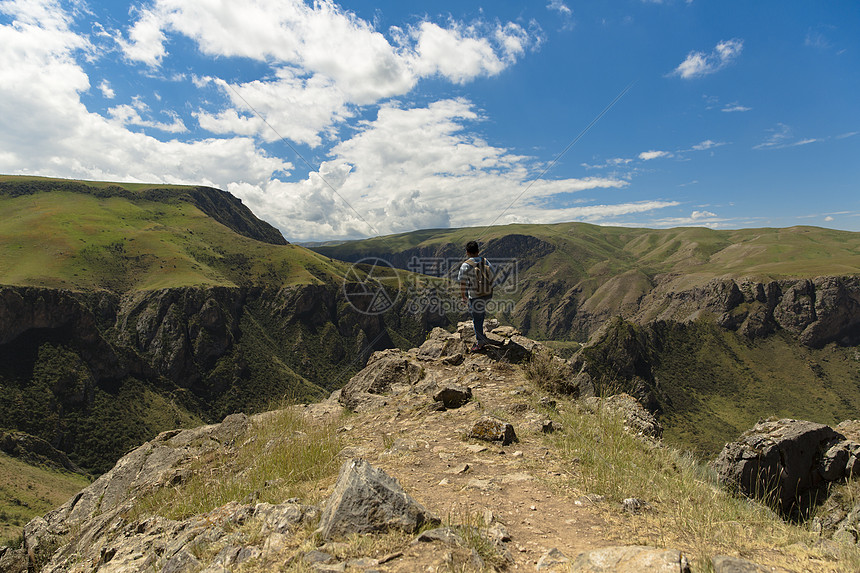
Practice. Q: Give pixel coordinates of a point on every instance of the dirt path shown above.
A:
(461, 480)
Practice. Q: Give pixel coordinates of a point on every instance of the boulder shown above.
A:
(365, 500)
(441, 344)
(453, 396)
(785, 461)
(384, 370)
(492, 429)
(631, 559)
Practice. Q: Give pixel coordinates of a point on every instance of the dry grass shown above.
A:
(688, 508)
(281, 457)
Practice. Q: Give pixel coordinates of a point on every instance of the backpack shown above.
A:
(483, 277)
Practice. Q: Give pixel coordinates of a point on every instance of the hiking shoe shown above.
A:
(478, 346)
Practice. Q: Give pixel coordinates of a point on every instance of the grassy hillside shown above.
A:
(74, 240)
(584, 251)
(27, 491)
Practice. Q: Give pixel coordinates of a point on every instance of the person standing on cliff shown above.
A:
(476, 278)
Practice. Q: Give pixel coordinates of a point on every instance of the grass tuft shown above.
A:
(282, 456)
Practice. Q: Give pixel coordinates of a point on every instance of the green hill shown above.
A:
(84, 236)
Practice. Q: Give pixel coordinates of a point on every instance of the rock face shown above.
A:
(35, 451)
(367, 500)
(787, 462)
(205, 351)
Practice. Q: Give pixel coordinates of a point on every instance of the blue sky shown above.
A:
(352, 119)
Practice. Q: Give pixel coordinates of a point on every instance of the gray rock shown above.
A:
(283, 518)
(445, 535)
(453, 396)
(441, 344)
(492, 429)
(386, 368)
(778, 459)
(634, 505)
(552, 558)
(181, 562)
(631, 559)
(315, 556)
(366, 499)
(728, 564)
(13, 560)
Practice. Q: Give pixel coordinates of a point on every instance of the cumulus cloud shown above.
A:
(700, 64)
(324, 59)
(419, 168)
(107, 91)
(46, 130)
(325, 39)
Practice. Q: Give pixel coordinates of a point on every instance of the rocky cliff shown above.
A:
(94, 373)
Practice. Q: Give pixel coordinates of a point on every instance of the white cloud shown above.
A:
(828, 218)
(420, 168)
(781, 137)
(559, 6)
(707, 144)
(695, 219)
(106, 90)
(126, 115)
(324, 59)
(299, 109)
(46, 130)
(700, 64)
(324, 39)
(734, 107)
(649, 155)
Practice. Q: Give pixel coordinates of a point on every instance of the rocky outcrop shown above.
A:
(818, 311)
(35, 451)
(787, 463)
(636, 418)
(99, 507)
(384, 371)
(367, 500)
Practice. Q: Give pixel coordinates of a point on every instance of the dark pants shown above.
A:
(478, 310)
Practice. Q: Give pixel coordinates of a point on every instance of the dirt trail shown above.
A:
(521, 485)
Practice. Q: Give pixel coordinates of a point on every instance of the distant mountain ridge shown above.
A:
(222, 206)
(572, 277)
